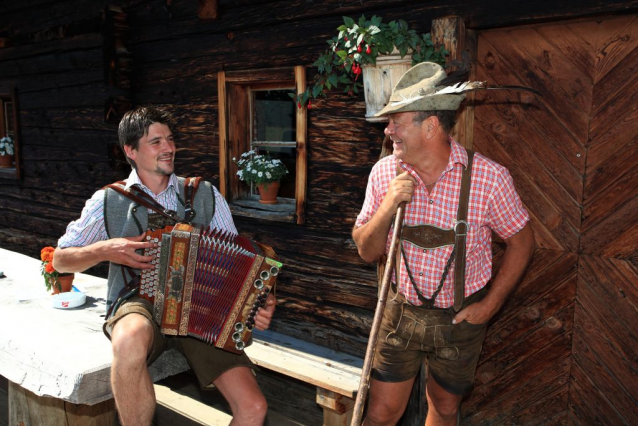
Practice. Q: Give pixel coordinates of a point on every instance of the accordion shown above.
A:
(207, 283)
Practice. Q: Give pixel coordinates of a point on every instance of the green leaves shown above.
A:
(361, 42)
(349, 21)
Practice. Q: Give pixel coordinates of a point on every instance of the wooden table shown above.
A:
(58, 361)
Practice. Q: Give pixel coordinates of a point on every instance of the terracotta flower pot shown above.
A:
(66, 282)
(6, 161)
(268, 192)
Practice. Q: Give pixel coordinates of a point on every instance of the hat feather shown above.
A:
(470, 86)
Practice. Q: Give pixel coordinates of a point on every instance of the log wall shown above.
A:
(77, 65)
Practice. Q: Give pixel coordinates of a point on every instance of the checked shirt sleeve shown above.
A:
(223, 218)
(373, 199)
(89, 228)
(507, 215)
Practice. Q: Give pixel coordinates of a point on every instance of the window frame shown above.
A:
(235, 135)
(8, 94)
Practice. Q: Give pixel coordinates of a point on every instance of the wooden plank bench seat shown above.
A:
(190, 408)
(336, 375)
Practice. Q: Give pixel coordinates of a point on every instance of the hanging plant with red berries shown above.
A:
(360, 43)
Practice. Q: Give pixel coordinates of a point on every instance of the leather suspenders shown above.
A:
(140, 197)
(460, 229)
(430, 237)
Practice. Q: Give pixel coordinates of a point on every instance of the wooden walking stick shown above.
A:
(364, 383)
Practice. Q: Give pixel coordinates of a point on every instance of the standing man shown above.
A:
(422, 319)
(111, 229)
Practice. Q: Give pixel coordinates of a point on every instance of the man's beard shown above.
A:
(162, 171)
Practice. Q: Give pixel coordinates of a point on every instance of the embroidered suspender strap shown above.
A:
(143, 199)
(190, 186)
(460, 229)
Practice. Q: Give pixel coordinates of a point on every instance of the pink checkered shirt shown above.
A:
(89, 228)
(494, 206)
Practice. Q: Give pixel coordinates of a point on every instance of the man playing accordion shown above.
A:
(111, 228)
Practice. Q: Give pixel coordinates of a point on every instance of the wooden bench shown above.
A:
(335, 376)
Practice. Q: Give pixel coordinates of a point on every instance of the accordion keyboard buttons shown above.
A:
(149, 277)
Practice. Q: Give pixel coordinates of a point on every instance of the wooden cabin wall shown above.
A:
(54, 55)
(326, 294)
(563, 349)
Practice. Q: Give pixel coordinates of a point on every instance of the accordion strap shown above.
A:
(130, 289)
(142, 198)
(191, 185)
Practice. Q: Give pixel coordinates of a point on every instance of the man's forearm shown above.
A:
(372, 237)
(518, 254)
(76, 259)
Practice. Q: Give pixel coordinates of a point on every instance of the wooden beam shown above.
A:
(451, 33)
(223, 134)
(302, 161)
(337, 409)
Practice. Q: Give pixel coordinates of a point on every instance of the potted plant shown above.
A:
(262, 171)
(54, 280)
(357, 48)
(6, 152)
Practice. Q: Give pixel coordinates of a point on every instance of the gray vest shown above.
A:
(125, 218)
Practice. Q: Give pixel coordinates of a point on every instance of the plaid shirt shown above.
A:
(494, 206)
(89, 228)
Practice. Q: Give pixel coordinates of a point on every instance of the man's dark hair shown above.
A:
(135, 123)
(446, 118)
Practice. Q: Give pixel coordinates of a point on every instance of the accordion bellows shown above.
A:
(208, 284)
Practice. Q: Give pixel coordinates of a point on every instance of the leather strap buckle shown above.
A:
(456, 231)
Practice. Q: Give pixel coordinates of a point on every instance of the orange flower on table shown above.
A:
(46, 254)
(48, 271)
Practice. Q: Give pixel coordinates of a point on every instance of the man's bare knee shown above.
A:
(442, 402)
(383, 414)
(132, 338)
(387, 402)
(251, 412)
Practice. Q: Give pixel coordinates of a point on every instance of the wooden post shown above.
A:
(302, 135)
(223, 134)
(29, 409)
(337, 409)
(451, 33)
